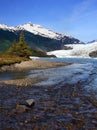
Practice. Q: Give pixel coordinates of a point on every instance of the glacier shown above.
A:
(78, 50)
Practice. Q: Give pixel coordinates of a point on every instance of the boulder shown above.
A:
(30, 102)
(26, 105)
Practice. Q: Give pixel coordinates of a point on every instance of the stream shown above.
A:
(65, 100)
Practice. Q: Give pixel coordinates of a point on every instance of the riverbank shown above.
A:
(64, 101)
(31, 64)
(26, 66)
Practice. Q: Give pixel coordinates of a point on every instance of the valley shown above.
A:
(57, 71)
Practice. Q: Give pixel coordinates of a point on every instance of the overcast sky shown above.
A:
(75, 17)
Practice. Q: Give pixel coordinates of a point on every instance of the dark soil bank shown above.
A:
(56, 108)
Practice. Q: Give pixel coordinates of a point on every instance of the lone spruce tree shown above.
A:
(21, 48)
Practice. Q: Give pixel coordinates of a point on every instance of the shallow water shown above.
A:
(13, 75)
(18, 75)
(82, 69)
(67, 107)
(73, 60)
(65, 101)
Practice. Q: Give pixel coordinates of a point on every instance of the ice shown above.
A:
(78, 50)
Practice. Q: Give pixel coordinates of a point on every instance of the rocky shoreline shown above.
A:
(56, 108)
(31, 64)
(69, 107)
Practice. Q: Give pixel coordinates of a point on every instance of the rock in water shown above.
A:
(30, 102)
(26, 105)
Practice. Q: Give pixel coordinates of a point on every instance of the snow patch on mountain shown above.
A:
(39, 30)
(35, 29)
(78, 50)
(5, 27)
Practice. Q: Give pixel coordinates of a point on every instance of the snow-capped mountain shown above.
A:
(6, 27)
(39, 30)
(3, 26)
(92, 41)
(36, 36)
(76, 50)
(60, 45)
(35, 29)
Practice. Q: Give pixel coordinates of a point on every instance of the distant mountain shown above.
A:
(36, 36)
(77, 50)
(92, 41)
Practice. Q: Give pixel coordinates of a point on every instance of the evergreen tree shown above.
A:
(21, 48)
(12, 50)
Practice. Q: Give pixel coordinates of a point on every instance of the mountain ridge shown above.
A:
(36, 29)
(36, 36)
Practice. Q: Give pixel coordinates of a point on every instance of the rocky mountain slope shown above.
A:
(36, 36)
